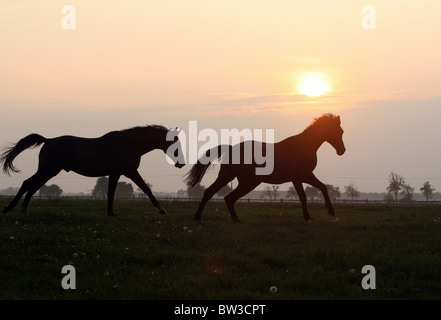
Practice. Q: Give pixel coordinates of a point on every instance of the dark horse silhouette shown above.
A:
(114, 154)
(295, 158)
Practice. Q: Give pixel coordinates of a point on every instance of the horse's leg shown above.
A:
(137, 179)
(36, 182)
(242, 189)
(23, 189)
(222, 179)
(313, 181)
(302, 197)
(113, 182)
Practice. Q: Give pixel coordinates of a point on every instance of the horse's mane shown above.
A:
(149, 128)
(322, 121)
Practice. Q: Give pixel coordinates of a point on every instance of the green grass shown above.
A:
(144, 255)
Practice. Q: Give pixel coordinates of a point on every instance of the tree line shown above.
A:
(397, 190)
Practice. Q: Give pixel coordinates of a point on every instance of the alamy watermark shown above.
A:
(69, 19)
(225, 146)
(69, 281)
(370, 279)
(369, 20)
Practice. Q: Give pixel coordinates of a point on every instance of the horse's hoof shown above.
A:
(112, 215)
(5, 209)
(199, 221)
(236, 220)
(161, 210)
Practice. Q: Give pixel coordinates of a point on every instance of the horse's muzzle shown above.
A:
(179, 165)
(340, 152)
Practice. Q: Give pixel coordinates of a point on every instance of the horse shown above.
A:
(294, 160)
(113, 154)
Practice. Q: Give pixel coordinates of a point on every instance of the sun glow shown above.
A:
(313, 84)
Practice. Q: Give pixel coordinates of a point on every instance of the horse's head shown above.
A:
(173, 148)
(335, 136)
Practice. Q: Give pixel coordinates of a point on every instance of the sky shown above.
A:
(228, 64)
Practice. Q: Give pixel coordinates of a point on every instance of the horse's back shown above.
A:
(285, 160)
(86, 156)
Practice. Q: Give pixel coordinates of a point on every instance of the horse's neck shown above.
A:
(315, 138)
(310, 139)
(146, 144)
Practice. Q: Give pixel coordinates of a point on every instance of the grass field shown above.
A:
(144, 255)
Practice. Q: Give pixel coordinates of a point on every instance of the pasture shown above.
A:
(144, 255)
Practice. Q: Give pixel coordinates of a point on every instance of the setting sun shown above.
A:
(313, 84)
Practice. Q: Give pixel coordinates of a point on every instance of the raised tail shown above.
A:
(197, 172)
(9, 154)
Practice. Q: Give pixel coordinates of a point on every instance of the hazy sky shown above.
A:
(228, 64)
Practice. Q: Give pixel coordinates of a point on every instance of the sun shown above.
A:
(313, 84)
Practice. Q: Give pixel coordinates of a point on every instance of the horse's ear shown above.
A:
(338, 120)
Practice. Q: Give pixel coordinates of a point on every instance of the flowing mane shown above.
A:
(323, 121)
(153, 127)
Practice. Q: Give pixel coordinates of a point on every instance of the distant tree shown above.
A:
(181, 193)
(196, 192)
(267, 193)
(271, 191)
(224, 191)
(9, 191)
(389, 197)
(101, 185)
(352, 191)
(292, 193)
(51, 191)
(334, 192)
(123, 189)
(312, 192)
(427, 190)
(396, 184)
(407, 193)
(138, 190)
(275, 190)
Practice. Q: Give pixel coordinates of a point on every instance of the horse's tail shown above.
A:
(9, 154)
(194, 176)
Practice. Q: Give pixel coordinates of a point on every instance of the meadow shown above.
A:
(145, 255)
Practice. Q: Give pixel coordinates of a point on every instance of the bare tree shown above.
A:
(271, 192)
(275, 189)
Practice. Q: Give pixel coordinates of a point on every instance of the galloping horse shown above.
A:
(295, 158)
(114, 154)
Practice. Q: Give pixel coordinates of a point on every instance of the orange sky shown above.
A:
(220, 62)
